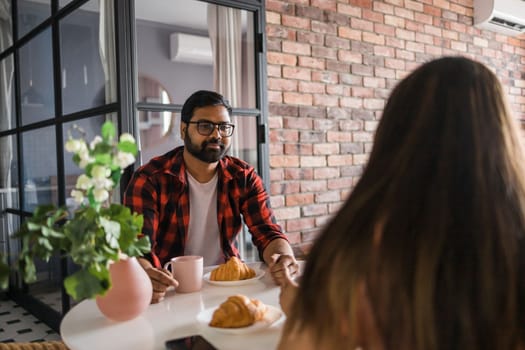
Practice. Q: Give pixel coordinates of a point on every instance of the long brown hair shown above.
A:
(444, 187)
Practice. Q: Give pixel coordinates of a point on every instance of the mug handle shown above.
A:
(167, 266)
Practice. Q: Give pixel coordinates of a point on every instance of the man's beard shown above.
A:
(203, 153)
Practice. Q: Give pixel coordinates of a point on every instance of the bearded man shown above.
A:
(195, 198)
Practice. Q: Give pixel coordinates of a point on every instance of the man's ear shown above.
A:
(182, 130)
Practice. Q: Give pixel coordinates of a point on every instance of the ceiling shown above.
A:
(183, 13)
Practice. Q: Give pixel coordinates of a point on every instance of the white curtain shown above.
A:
(224, 27)
(233, 68)
(234, 78)
(107, 48)
(6, 85)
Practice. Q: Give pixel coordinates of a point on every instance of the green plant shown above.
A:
(99, 232)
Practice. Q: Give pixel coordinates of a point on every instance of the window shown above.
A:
(193, 45)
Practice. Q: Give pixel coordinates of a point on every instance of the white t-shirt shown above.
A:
(203, 231)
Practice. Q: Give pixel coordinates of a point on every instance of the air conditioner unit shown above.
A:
(190, 49)
(504, 16)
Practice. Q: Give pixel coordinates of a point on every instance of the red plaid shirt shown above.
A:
(159, 190)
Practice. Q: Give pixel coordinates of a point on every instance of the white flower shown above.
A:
(127, 137)
(100, 194)
(100, 172)
(78, 196)
(85, 158)
(83, 182)
(104, 184)
(124, 159)
(95, 141)
(73, 145)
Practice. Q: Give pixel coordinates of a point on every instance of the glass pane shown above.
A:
(62, 3)
(39, 164)
(7, 96)
(36, 79)
(83, 78)
(244, 139)
(31, 13)
(91, 128)
(177, 46)
(6, 26)
(8, 166)
(159, 132)
(47, 287)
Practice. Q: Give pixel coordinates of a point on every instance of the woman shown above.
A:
(428, 252)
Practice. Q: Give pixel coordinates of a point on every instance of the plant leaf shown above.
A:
(108, 130)
(86, 284)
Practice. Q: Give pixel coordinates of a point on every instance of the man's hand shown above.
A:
(289, 290)
(161, 279)
(283, 268)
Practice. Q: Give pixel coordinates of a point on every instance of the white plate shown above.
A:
(258, 274)
(272, 316)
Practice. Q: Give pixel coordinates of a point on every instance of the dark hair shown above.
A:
(203, 98)
(435, 227)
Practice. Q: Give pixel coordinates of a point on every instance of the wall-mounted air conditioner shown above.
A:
(190, 48)
(504, 16)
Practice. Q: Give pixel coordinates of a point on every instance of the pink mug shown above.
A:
(187, 270)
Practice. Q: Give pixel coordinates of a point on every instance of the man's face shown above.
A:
(210, 148)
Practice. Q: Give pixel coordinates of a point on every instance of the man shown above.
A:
(192, 198)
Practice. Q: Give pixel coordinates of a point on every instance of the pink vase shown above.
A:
(130, 292)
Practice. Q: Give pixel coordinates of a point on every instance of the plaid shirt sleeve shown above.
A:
(257, 212)
(141, 197)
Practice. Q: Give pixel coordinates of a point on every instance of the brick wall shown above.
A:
(331, 66)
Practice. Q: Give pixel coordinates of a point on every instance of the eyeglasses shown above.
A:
(206, 128)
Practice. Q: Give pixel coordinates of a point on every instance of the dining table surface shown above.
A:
(178, 315)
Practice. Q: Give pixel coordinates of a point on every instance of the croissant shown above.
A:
(233, 270)
(238, 311)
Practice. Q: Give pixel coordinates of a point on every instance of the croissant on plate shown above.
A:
(233, 270)
(238, 311)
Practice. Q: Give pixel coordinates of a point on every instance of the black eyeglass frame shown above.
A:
(222, 132)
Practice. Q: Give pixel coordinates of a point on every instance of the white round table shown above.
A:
(84, 327)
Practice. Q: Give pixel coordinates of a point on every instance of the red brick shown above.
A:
(349, 10)
(297, 98)
(287, 213)
(282, 84)
(299, 199)
(324, 52)
(300, 224)
(275, 97)
(362, 3)
(298, 174)
(311, 87)
(325, 77)
(325, 28)
(325, 100)
(295, 22)
(296, 48)
(281, 58)
(314, 210)
(361, 24)
(279, 6)
(327, 196)
(277, 201)
(298, 149)
(349, 33)
(311, 62)
(340, 183)
(338, 90)
(329, 5)
(272, 17)
(376, 39)
(373, 16)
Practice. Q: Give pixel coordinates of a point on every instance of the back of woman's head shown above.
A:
(435, 225)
